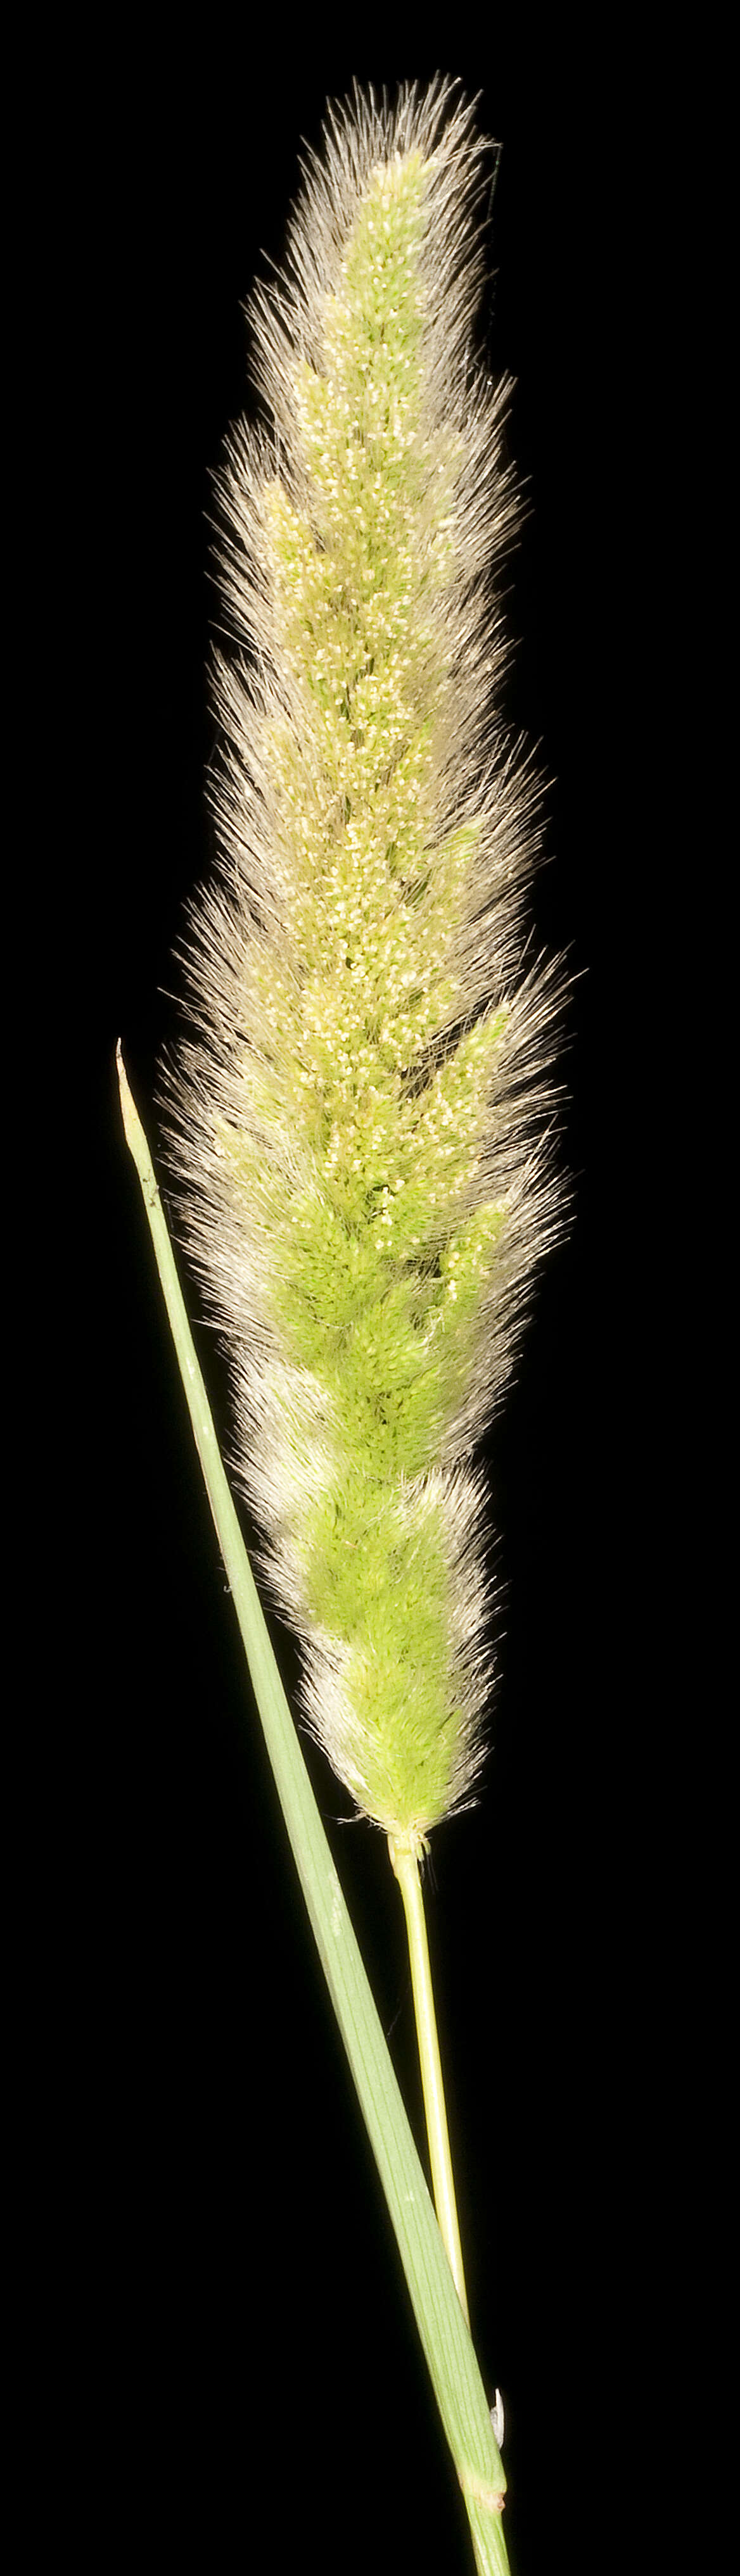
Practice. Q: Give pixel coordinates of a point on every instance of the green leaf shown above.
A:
(444, 2334)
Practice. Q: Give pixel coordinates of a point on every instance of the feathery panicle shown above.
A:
(360, 1126)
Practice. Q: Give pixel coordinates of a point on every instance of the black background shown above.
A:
(251, 2353)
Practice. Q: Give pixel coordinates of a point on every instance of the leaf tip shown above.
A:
(129, 1113)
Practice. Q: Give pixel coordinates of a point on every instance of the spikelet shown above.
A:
(361, 1125)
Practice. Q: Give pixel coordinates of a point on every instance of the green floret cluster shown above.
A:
(379, 1259)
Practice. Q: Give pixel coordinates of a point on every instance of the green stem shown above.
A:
(405, 1862)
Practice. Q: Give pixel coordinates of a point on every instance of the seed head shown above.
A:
(361, 1126)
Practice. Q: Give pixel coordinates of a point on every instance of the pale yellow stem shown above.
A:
(405, 1862)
